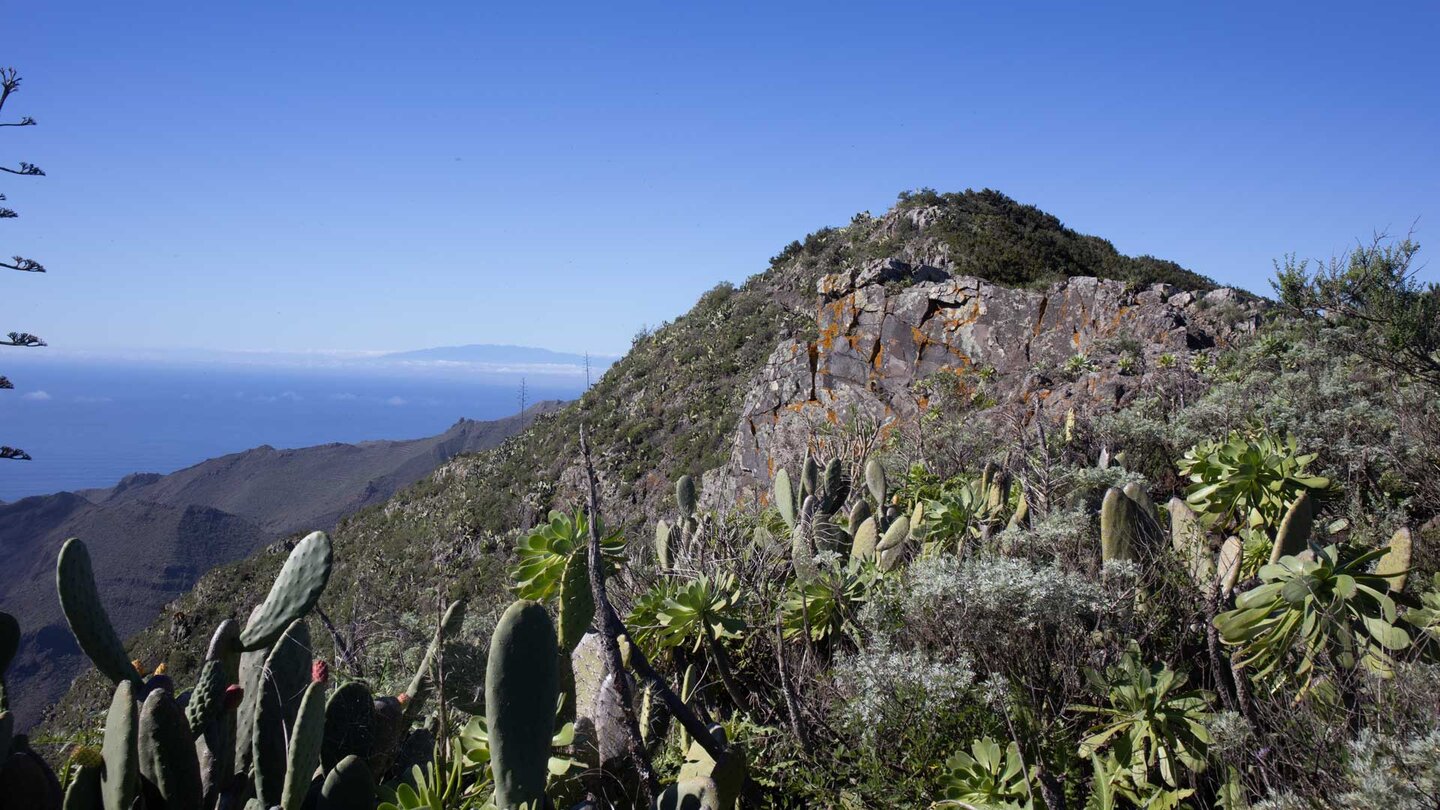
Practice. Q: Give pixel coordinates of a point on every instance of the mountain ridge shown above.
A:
(155, 535)
(670, 406)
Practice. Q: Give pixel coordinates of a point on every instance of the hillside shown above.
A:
(673, 405)
(153, 536)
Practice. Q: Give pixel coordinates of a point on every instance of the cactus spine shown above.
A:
(521, 686)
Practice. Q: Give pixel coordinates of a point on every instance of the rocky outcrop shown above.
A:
(883, 327)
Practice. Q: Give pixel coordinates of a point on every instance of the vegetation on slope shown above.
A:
(667, 409)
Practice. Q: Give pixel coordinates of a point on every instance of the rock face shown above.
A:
(1081, 343)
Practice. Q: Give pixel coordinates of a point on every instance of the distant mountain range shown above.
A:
(152, 536)
(485, 358)
(491, 353)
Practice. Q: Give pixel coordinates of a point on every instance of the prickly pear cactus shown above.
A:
(521, 686)
(168, 764)
(217, 673)
(306, 738)
(268, 740)
(809, 478)
(866, 539)
(690, 794)
(75, 581)
(577, 601)
(728, 772)
(1395, 565)
(1228, 565)
(348, 786)
(295, 592)
(1293, 536)
(1187, 540)
(685, 496)
(663, 532)
(120, 781)
(349, 725)
(892, 546)
(784, 498)
(1119, 526)
(834, 487)
(859, 513)
(875, 482)
(288, 667)
(84, 790)
(26, 781)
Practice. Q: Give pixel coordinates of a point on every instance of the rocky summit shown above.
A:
(886, 325)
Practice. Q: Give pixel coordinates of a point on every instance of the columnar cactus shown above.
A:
(521, 686)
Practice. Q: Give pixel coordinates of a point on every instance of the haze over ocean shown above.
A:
(90, 422)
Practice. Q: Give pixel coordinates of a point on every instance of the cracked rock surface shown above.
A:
(888, 325)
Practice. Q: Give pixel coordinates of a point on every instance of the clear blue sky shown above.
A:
(357, 175)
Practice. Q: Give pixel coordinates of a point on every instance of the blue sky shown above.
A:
(388, 176)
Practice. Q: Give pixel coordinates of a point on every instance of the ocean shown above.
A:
(88, 423)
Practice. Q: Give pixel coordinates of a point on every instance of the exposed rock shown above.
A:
(876, 343)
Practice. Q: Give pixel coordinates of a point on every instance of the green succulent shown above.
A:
(700, 611)
(1326, 608)
(644, 619)
(1247, 480)
(1426, 618)
(473, 743)
(954, 517)
(547, 549)
(1115, 786)
(431, 788)
(828, 603)
(1160, 721)
(988, 777)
